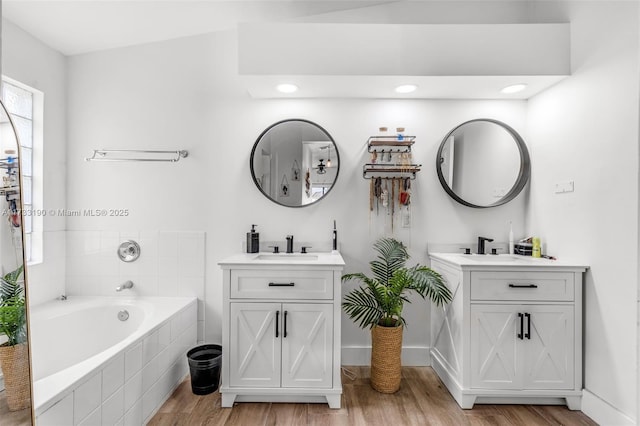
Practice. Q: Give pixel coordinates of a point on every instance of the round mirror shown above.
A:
(483, 163)
(294, 163)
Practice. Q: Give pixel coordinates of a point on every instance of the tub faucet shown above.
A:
(289, 243)
(481, 241)
(62, 297)
(127, 284)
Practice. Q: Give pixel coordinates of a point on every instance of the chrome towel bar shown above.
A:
(121, 155)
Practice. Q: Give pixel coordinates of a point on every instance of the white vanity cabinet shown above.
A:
(281, 329)
(513, 333)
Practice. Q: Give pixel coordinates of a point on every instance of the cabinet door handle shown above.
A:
(277, 321)
(281, 284)
(528, 333)
(523, 286)
(521, 325)
(284, 333)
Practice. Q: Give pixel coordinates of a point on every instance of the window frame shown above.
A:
(34, 240)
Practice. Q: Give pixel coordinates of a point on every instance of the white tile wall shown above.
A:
(59, 414)
(113, 376)
(93, 419)
(170, 264)
(47, 279)
(131, 388)
(113, 408)
(87, 397)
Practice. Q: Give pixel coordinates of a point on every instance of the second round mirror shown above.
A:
(483, 163)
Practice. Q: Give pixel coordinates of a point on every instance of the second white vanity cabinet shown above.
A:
(513, 333)
(281, 328)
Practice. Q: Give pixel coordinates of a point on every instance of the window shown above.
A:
(24, 104)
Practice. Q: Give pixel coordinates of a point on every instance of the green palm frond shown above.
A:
(429, 284)
(392, 255)
(9, 285)
(362, 307)
(382, 297)
(12, 308)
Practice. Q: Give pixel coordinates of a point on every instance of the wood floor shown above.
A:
(421, 400)
(13, 418)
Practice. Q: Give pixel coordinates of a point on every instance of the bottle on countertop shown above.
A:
(253, 240)
(536, 250)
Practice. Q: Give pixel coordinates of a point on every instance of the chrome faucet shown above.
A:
(481, 241)
(289, 243)
(62, 297)
(127, 284)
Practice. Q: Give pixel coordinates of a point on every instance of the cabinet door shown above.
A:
(307, 346)
(254, 355)
(549, 352)
(494, 347)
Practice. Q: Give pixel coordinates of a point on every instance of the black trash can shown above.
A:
(204, 365)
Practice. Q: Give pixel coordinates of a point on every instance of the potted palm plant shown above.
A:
(377, 304)
(14, 355)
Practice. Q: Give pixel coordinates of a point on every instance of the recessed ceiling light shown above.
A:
(287, 88)
(515, 88)
(406, 88)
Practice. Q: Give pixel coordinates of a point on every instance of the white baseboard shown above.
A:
(602, 412)
(412, 356)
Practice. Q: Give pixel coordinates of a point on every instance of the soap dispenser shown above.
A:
(253, 240)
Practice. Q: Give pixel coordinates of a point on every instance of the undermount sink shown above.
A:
(489, 257)
(294, 257)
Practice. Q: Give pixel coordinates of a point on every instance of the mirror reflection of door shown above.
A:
(15, 383)
(316, 159)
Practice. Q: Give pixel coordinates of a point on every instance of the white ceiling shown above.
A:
(80, 26)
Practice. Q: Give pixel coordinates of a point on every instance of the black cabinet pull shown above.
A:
(277, 321)
(284, 334)
(523, 286)
(281, 284)
(528, 333)
(521, 325)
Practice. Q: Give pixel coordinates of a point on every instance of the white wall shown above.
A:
(585, 129)
(31, 62)
(185, 94)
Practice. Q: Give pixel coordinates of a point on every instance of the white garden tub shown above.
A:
(92, 367)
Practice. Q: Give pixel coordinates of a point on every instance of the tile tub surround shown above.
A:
(128, 388)
(170, 264)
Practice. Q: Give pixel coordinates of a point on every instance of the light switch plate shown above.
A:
(563, 187)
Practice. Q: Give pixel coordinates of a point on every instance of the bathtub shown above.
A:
(91, 367)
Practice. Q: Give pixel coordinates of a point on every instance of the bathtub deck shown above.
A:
(422, 400)
(13, 418)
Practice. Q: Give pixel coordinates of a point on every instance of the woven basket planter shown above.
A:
(386, 358)
(14, 361)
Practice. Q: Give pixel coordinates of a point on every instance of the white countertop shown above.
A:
(289, 259)
(504, 260)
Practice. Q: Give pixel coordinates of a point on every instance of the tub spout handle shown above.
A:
(127, 284)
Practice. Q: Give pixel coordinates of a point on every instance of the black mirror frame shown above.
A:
(255, 146)
(523, 174)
